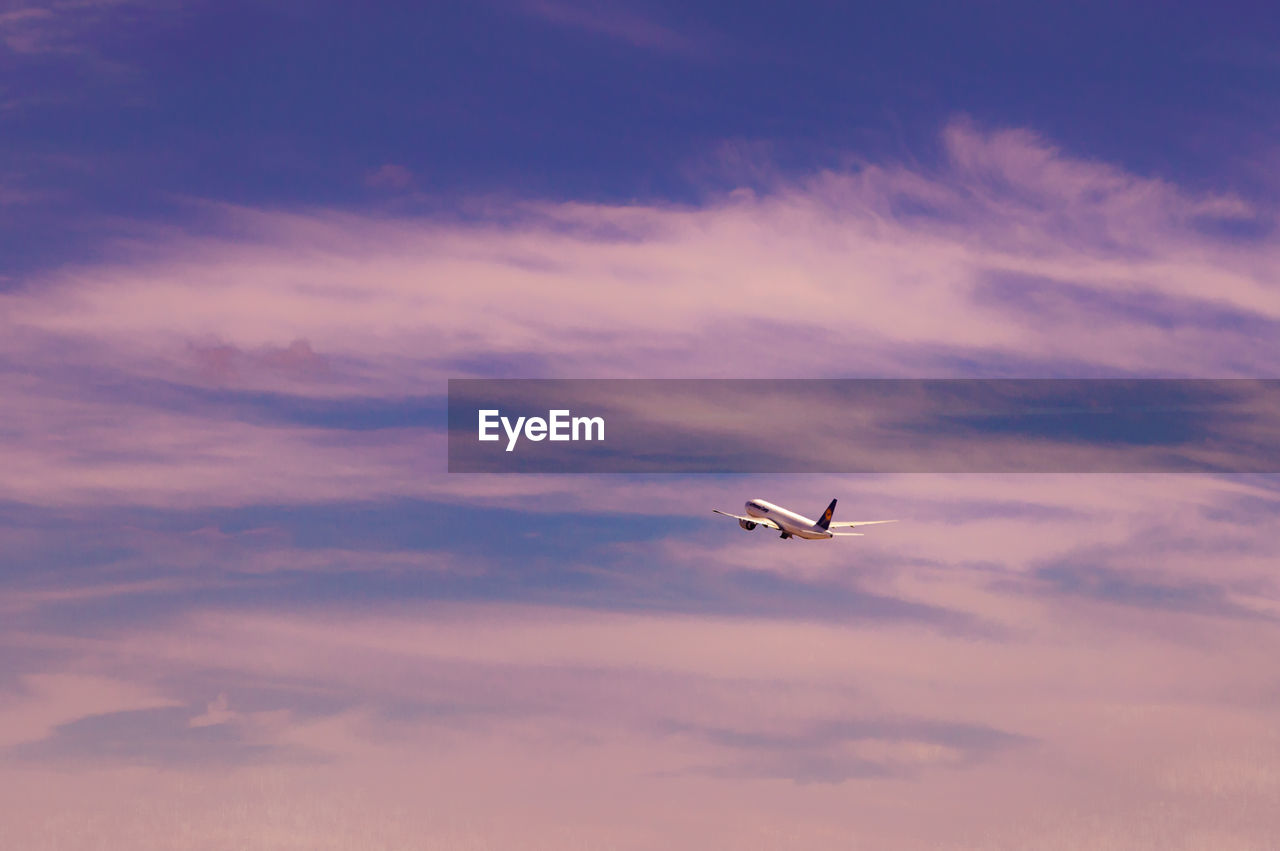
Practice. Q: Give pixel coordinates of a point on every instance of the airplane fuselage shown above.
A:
(792, 524)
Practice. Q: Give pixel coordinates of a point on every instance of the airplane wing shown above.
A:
(849, 523)
(847, 534)
(757, 520)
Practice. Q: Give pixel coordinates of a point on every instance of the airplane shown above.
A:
(792, 525)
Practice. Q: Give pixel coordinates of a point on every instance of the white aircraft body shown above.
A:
(792, 525)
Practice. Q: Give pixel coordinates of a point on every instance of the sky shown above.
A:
(243, 247)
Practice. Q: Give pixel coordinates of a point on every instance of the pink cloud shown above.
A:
(689, 717)
(219, 363)
(1132, 696)
(1026, 259)
(614, 20)
(389, 176)
(52, 698)
(680, 288)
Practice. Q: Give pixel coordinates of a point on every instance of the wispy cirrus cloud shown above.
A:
(1026, 262)
(836, 751)
(66, 27)
(720, 707)
(619, 21)
(226, 519)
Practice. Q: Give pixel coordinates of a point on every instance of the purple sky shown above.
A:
(243, 246)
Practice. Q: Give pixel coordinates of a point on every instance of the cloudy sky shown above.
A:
(244, 245)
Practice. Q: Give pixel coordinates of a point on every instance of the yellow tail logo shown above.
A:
(826, 516)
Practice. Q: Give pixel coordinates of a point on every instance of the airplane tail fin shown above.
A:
(825, 520)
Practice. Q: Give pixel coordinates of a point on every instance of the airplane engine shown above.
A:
(747, 524)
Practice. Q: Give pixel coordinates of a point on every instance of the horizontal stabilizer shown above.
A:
(849, 523)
